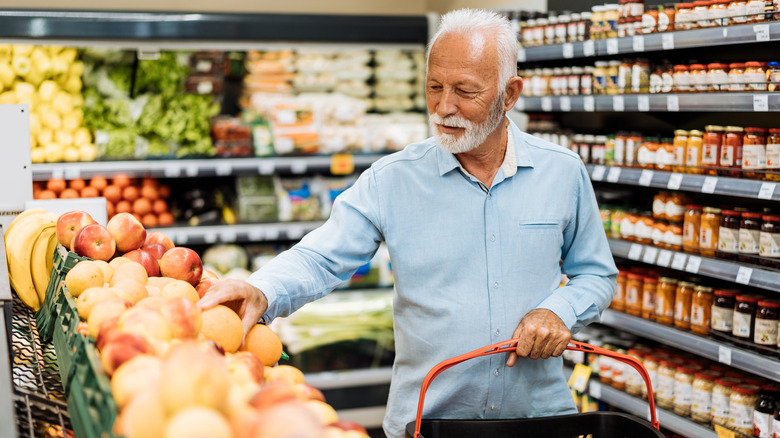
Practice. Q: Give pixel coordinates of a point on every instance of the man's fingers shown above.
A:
(525, 344)
(560, 348)
(512, 359)
(218, 295)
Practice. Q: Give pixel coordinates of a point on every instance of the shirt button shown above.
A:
(495, 372)
(492, 407)
(492, 237)
(497, 333)
(495, 285)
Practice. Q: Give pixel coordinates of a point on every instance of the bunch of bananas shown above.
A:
(30, 241)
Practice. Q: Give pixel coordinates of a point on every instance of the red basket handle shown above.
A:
(509, 346)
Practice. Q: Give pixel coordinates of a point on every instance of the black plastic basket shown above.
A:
(595, 424)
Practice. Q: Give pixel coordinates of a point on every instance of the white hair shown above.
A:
(470, 21)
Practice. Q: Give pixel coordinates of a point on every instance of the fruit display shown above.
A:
(48, 79)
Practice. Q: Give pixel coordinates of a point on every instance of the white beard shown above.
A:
(474, 134)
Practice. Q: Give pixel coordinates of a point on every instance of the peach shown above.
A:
(194, 376)
(159, 237)
(68, 224)
(143, 417)
(209, 274)
(182, 264)
(128, 232)
(184, 317)
(121, 348)
(108, 271)
(145, 259)
(204, 285)
(179, 289)
(139, 374)
(130, 290)
(132, 270)
(246, 364)
(94, 241)
(104, 311)
(147, 322)
(153, 291)
(152, 301)
(198, 421)
(243, 421)
(90, 297)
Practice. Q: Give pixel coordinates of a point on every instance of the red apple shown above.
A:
(308, 392)
(146, 259)
(68, 224)
(183, 316)
(204, 285)
(349, 425)
(94, 241)
(272, 394)
(182, 264)
(155, 249)
(159, 237)
(128, 232)
(121, 348)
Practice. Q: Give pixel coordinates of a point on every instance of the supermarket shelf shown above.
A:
(369, 418)
(714, 36)
(195, 168)
(744, 188)
(350, 378)
(722, 269)
(705, 347)
(210, 234)
(663, 102)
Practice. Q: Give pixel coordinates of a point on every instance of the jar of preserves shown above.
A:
(737, 12)
(665, 159)
(773, 155)
(754, 10)
(736, 76)
(675, 207)
(721, 396)
(728, 235)
(632, 148)
(691, 225)
(619, 299)
(664, 301)
(598, 150)
(731, 152)
(650, 20)
(773, 76)
(754, 152)
(701, 395)
(741, 404)
(561, 28)
(722, 315)
(586, 80)
(682, 79)
(701, 14)
(765, 330)
(656, 79)
(764, 410)
(683, 298)
(640, 76)
(710, 149)
(667, 368)
(647, 153)
(628, 226)
(673, 237)
(571, 27)
(649, 289)
(659, 205)
(634, 297)
(666, 18)
(549, 30)
(693, 151)
(745, 317)
(644, 230)
(583, 27)
(659, 234)
(769, 242)
(701, 309)
(573, 81)
(755, 76)
(717, 77)
(650, 362)
(698, 78)
(624, 76)
(679, 144)
(683, 388)
(667, 78)
(719, 12)
(605, 365)
(683, 18)
(708, 231)
(749, 237)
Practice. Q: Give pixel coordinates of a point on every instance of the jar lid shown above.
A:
(774, 130)
(685, 284)
(705, 289)
(680, 67)
(622, 274)
(716, 128)
(729, 293)
(770, 387)
(737, 65)
(734, 128)
(771, 303)
(636, 352)
(746, 389)
(730, 213)
(749, 298)
(680, 132)
(711, 210)
(693, 207)
(667, 280)
(651, 280)
(689, 368)
(727, 381)
(755, 129)
(774, 64)
(701, 3)
(751, 215)
(695, 132)
(633, 276)
(697, 67)
(752, 64)
(769, 218)
(670, 362)
(715, 65)
(709, 375)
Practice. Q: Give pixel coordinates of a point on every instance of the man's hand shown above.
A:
(248, 301)
(542, 334)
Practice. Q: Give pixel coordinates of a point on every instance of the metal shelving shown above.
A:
(662, 102)
(209, 234)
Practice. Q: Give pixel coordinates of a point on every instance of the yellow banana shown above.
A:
(22, 215)
(19, 246)
(41, 260)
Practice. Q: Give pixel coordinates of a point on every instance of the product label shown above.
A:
(720, 406)
(692, 156)
(741, 415)
(701, 402)
(754, 156)
(673, 210)
(737, 12)
(741, 325)
(773, 156)
(597, 154)
(627, 228)
(761, 425)
(690, 233)
(665, 387)
(755, 81)
(726, 156)
(585, 152)
(656, 83)
(736, 82)
(619, 293)
(620, 150)
(749, 241)
(765, 332)
(679, 312)
(699, 82)
(678, 156)
(630, 151)
(648, 23)
(663, 158)
(709, 155)
(663, 22)
(653, 375)
(632, 296)
(605, 367)
(697, 316)
(668, 82)
(618, 372)
(573, 83)
(682, 81)
(775, 429)
(648, 301)
(586, 84)
(659, 305)
(672, 239)
(682, 393)
(722, 319)
(705, 238)
(769, 244)
(754, 7)
(718, 80)
(728, 240)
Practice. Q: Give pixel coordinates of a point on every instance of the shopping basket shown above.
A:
(596, 424)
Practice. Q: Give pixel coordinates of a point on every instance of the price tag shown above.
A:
(520, 104)
(254, 235)
(521, 54)
(678, 262)
(57, 173)
(761, 102)
(618, 104)
(693, 264)
(72, 173)
(565, 103)
(639, 43)
(743, 275)
(223, 169)
(579, 377)
(547, 104)
(651, 253)
(667, 41)
(675, 181)
(634, 251)
(298, 166)
(761, 31)
(767, 190)
(724, 355)
(709, 184)
(594, 389)
(266, 168)
(643, 103)
(589, 48)
(664, 257)
(589, 103)
(645, 178)
(342, 164)
(227, 236)
(598, 173)
(673, 103)
(568, 50)
(191, 170)
(614, 174)
(172, 171)
(295, 232)
(272, 233)
(723, 432)
(210, 238)
(612, 46)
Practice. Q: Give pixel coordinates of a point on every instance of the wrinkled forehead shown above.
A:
(474, 50)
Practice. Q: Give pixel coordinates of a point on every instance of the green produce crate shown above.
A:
(46, 318)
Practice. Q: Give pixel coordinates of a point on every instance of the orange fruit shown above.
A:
(47, 194)
(37, 185)
(131, 193)
(147, 181)
(110, 209)
(77, 184)
(56, 185)
(123, 207)
(263, 343)
(121, 180)
(159, 206)
(149, 192)
(89, 192)
(112, 193)
(164, 191)
(142, 206)
(149, 220)
(223, 326)
(165, 219)
(69, 194)
(136, 216)
(98, 182)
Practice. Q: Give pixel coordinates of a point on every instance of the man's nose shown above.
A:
(447, 105)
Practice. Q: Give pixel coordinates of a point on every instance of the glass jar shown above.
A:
(721, 396)
(754, 152)
(628, 226)
(613, 71)
(571, 27)
(698, 78)
(611, 17)
(708, 231)
(764, 410)
(769, 238)
(722, 315)
(666, 19)
(644, 230)
(728, 235)
(619, 299)
(659, 205)
(650, 362)
(683, 17)
(745, 317)
(640, 76)
(665, 159)
(754, 9)
(737, 12)
(765, 330)
(673, 237)
(682, 79)
(600, 77)
(719, 12)
(741, 404)
(679, 143)
(683, 388)
(667, 368)
(664, 301)
(573, 81)
(683, 298)
(649, 289)
(773, 155)
(624, 76)
(650, 20)
(731, 152)
(634, 297)
(549, 30)
(561, 28)
(710, 149)
(659, 234)
(646, 153)
(675, 207)
(736, 76)
(605, 365)
(700, 14)
(749, 237)
(717, 77)
(634, 380)
(701, 309)
(583, 27)
(667, 78)
(691, 225)
(656, 80)
(755, 76)
(586, 80)
(693, 152)
(633, 141)
(773, 76)
(701, 395)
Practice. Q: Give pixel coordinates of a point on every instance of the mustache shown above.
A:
(454, 121)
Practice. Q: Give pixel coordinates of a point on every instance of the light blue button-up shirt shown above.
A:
(469, 263)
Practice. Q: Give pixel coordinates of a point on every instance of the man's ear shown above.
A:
(512, 92)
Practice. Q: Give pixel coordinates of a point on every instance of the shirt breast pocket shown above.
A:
(539, 246)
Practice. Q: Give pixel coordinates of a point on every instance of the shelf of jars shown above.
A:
(639, 43)
(190, 168)
(238, 233)
(737, 272)
(717, 185)
(709, 348)
(661, 102)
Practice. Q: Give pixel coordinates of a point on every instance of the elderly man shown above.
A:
(480, 221)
